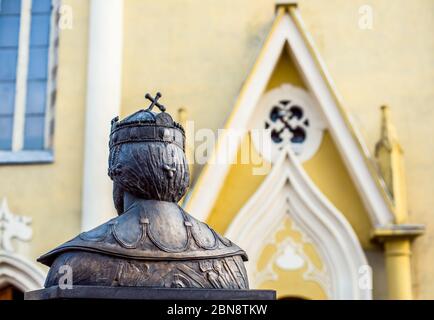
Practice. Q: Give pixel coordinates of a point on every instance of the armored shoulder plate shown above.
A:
(152, 230)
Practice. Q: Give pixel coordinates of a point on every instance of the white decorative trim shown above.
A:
(13, 227)
(285, 31)
(21, 78)
(15, 269)
(26, 157)
(310, 122)
(103, 100)
(289, 190)
(20, 272)
(51, 77)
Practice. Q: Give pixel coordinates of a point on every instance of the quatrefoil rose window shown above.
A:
(290, 117)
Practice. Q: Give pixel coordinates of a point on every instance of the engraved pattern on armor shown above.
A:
(210, 273)
(202, 234)
(134, 244)
(225, 241)
(90, 235)
(201, 243)
(165, 248)
(180, 281)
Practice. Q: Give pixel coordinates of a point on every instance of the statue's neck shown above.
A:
(131, 200)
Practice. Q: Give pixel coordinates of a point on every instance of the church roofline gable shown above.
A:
(288, 29)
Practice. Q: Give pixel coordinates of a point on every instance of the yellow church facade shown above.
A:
(332, 202)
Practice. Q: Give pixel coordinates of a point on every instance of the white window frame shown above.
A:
(17, 155)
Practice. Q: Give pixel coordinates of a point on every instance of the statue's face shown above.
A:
(150, 170)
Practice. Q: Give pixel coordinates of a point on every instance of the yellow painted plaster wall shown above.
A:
(328, 172)
(392, 64)
(51, 193)
(285, 71)
(198, 53)
(240, 184)
(299, 282)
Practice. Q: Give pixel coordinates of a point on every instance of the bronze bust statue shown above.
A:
(153, 242)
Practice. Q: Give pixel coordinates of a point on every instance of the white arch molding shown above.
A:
(19, 272)
(288, 190)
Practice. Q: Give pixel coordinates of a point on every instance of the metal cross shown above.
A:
(154, 101)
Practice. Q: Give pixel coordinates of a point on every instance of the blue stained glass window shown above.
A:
(36, 97)
(7, 98)
(40, 30)
(8, 64)
(38, 63)
(6, 124)
(37, 72)
(37, 75)
(9, 29)
(41, 6)
(9, 38)
(34, 128)
(10, 6)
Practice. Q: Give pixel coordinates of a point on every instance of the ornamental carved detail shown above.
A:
(291, 118)
(13, 227)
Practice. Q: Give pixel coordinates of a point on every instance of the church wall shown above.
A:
(198, 53)
(51, 193)
(389, 64)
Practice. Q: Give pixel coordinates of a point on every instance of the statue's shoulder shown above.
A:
(205, 236)
(167, 234)
(84, 241)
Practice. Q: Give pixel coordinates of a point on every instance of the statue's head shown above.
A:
(147, 156)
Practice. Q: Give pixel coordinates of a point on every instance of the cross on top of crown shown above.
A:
(154, 102)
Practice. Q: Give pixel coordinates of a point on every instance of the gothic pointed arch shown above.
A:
(19, 272)
(288, 192)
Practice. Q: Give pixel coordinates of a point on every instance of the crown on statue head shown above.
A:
(147, 126)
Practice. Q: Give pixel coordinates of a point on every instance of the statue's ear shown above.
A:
(118, 198)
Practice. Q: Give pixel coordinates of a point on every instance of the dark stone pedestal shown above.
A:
(141, 293)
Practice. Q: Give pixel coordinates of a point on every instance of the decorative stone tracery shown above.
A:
(15, 269)
(13, 227)
(292, 118)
